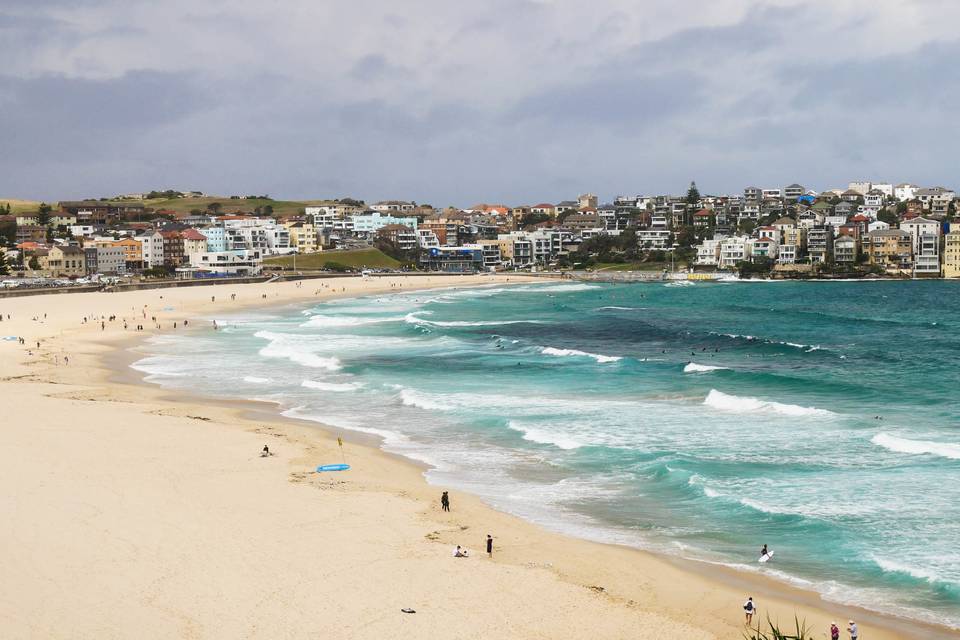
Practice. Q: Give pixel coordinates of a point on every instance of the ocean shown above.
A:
(693, 419)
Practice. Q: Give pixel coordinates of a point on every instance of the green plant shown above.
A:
(774, 632)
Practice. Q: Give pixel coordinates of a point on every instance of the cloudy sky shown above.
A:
(453, 103)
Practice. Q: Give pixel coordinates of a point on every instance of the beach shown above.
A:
(136, 511)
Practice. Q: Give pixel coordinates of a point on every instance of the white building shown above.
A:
(918, 227)
(393, 205)
(860, 187)
(735, 250)
(369, 224)
(708, 253)
(248, 233)
(427, 239)
(224, 263)
(877, 225)
(152, 249)
(926, 261)
(658, 239)
(905, 191)
(216, 238)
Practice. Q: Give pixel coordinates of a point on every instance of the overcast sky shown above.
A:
(454, 103)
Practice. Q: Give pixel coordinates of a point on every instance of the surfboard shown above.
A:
(332, 467)
(765, 557)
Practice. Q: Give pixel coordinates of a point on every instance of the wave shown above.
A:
(413, 398)
(739, 404)
(615, 308)
(693, 367)
(256, 380)
(551, 288)
(892, 566)
(280, 347)
(413, 318)
(345, 321)
(545, 437)
(602, 359)
(917, 447)
(331, 386)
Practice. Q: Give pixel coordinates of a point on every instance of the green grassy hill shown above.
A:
(20, 206)
(185, 205)
(355, 259)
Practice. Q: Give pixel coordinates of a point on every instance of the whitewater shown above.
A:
(705, 419)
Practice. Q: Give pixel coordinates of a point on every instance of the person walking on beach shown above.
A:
(853, 631)
(834, 631)
(749, 608)
(445, 501)
(489, 545)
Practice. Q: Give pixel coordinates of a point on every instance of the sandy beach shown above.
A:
(134, 512)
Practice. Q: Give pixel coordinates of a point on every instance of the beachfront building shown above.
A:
(951, 252)
(926, 259)
(708, 253)
(249, 233)
(152, 249)
(890, 249)
(465, 259)
(734, 250)
(303, 236)
(401, 236)
(66, 262)
(656, 239)
(764, 247)
(845, 250)
(216, 238)
(218, 264)
(132, 252)
(918, 227)
(820, 244)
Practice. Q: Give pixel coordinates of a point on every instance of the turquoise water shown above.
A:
(695, 419)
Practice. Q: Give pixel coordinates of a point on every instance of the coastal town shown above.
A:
(864, 230)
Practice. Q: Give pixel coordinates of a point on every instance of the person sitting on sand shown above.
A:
(460, 552)
(265, 452)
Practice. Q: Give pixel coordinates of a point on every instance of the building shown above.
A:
(399, 206)
(66, 262)
(752, 194)
(820, 244)
(465, 259)
(890, 249)
(708, 253)
(656, 239)
(951, 252)
(173, 255)
(152, 249)
(926, 258)
(216, 238)
(734, 250)
(369, 224)
(587, 201)
(132, 252)
(793, 192)
(860, 188)
(904, 192)
(918, 227)
(845, 250)
(401, 236)
(303, 236)
(31, 233)
(217, 264)
(110, 259)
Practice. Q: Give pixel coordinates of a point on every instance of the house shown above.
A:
(951, 252)
(704, 219)
(66, 262)
(657, 239)
(793, 192)
(708, 253)
(386, 206)
(587, 200)
(820, 244)
(905, 191)
(753, 194)
(890, 249)
(403, 237)
(876, 225)
(861, 188)
(30, 233)
(850, 195)
(565, 207)
(845, 250)
(918, 227)
(873, 198)
(764, 247)
(735, 250)
(543, 209)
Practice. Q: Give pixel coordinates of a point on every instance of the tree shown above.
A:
(34, 263)
(43, 214)
(693, 195)
(268, 210)
(215, 207)
(746, 226)
(4, 269)
(888, 216)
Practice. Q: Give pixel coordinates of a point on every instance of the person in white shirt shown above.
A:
(749, 608)
(853, 631)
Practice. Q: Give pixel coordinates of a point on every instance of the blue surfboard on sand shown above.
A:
(332, 467)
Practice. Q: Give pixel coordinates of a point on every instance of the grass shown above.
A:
(355, 259)
(20, 206)
(185, 205)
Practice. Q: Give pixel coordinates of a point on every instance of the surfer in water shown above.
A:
(764, 551)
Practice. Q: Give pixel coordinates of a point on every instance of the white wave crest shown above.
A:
(550, 351)
(256, 380)
(892, 566)
(331, 386)
(544, 437)
(282, 346)
(413, 398)
(414, 318)
(320, 321)
(917, 447)
(738, 404)
(693, 367)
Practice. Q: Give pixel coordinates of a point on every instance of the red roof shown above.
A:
(192, 234)
(859, 218)
(542, 206)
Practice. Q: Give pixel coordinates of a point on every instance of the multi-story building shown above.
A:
(368, 224)
(793, 192)
(152, 249)
(926, 259)
(905, 191)
(303, 236)
(132, 252)
(951, 252)
(820, 244)
(66, 262)
(398, 206)
(735, 250)
(656, 239)
(708, 253)
(918, 227)
(845, 250)
(890, 248)
(402, 236)
(223, 263)
(587, 201)
(173, 255)
(216, 238)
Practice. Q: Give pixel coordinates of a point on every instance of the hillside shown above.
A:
(185, 205)
(20, 206)
(355, 259)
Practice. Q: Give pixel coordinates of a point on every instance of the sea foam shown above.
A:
(740, 404)
(551, 351)
(545, 437)
(693, 367)
(331, 386)
(917, 447)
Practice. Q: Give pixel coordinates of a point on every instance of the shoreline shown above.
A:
(627, 583)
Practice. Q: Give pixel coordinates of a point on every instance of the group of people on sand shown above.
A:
(750, 608)
(461, 552)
